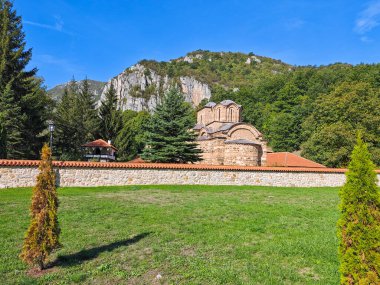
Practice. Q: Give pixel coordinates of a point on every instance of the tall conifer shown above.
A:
(65, 120)
(169, 136)
(22, 100)
(359, 224)
(110, 117)
(88, 112)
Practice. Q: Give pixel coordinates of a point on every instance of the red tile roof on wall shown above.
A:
(128, 165)
(287, 159)
(99, 143)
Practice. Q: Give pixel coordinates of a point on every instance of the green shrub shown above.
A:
(359, 224)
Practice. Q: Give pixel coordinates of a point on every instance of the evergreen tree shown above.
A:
(110, 117)
(12, 123)
(359, 224)
(66, 120)
(37, 105)
(3, 140)
(130, 141)
(42, 236)
(88, 112)
(22, 100)
(169, 136)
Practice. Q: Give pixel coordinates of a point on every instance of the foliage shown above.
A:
(225, 69)
(67, 116)
(351, 106)
(330, 144)
(110, 117)
(3, 141)
(89, 120)
(76, 120)
(42, 236)
(359, 224)
(130, 140)
(23, 102)
(168, 136)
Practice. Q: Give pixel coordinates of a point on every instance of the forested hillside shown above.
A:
(315, 110)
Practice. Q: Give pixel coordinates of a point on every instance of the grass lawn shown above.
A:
(187, 234)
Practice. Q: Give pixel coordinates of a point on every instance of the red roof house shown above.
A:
(99, 150)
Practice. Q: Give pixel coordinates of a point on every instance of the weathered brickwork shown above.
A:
(24, 176)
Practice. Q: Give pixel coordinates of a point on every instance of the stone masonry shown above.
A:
(225, 140)
(94, 174)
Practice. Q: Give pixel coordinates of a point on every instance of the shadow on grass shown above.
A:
(88, 254)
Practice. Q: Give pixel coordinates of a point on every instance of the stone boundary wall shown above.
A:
(23, 174)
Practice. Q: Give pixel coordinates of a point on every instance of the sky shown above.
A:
(101, 38)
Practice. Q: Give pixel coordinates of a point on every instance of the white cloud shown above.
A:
(58, 25)
(369, 18)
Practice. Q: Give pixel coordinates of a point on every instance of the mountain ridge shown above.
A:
(198, 74)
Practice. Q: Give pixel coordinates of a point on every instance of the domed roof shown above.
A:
(210, 104)
(228, 102)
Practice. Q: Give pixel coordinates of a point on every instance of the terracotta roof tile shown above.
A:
(287, 159)
(84, 164)
(99, 143)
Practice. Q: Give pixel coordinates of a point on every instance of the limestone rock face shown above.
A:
(139, 88)
(194, 90)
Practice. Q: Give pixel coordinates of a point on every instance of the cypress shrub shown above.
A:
(42, 236)
(359, 223)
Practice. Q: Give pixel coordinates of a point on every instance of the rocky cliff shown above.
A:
(197, 74)
(141, 88)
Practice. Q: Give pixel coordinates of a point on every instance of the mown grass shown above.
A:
(187, 234)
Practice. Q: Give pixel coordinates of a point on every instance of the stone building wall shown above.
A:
(241, 154)
(95, 174)
(212, 151)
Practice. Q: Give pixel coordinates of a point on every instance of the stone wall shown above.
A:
(241, 154)
(212, 151)
(98, 174)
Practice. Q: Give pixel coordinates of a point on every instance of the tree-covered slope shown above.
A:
(226, 69)
(313, 109)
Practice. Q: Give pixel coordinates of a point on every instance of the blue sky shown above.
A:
(100, 38)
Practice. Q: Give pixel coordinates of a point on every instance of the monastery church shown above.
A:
(225, 140)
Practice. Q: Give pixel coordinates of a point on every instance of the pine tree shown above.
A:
(66, 123)
(130, 141)
(36, 107)
(88, 112)
(3, 141)
(110, 117)
(12, 122)
(359, 224)
(42, 236)
(22, 100)
(169, 136)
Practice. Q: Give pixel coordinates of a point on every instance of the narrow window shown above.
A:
(219, 115)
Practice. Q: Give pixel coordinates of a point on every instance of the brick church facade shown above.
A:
(225, 140)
